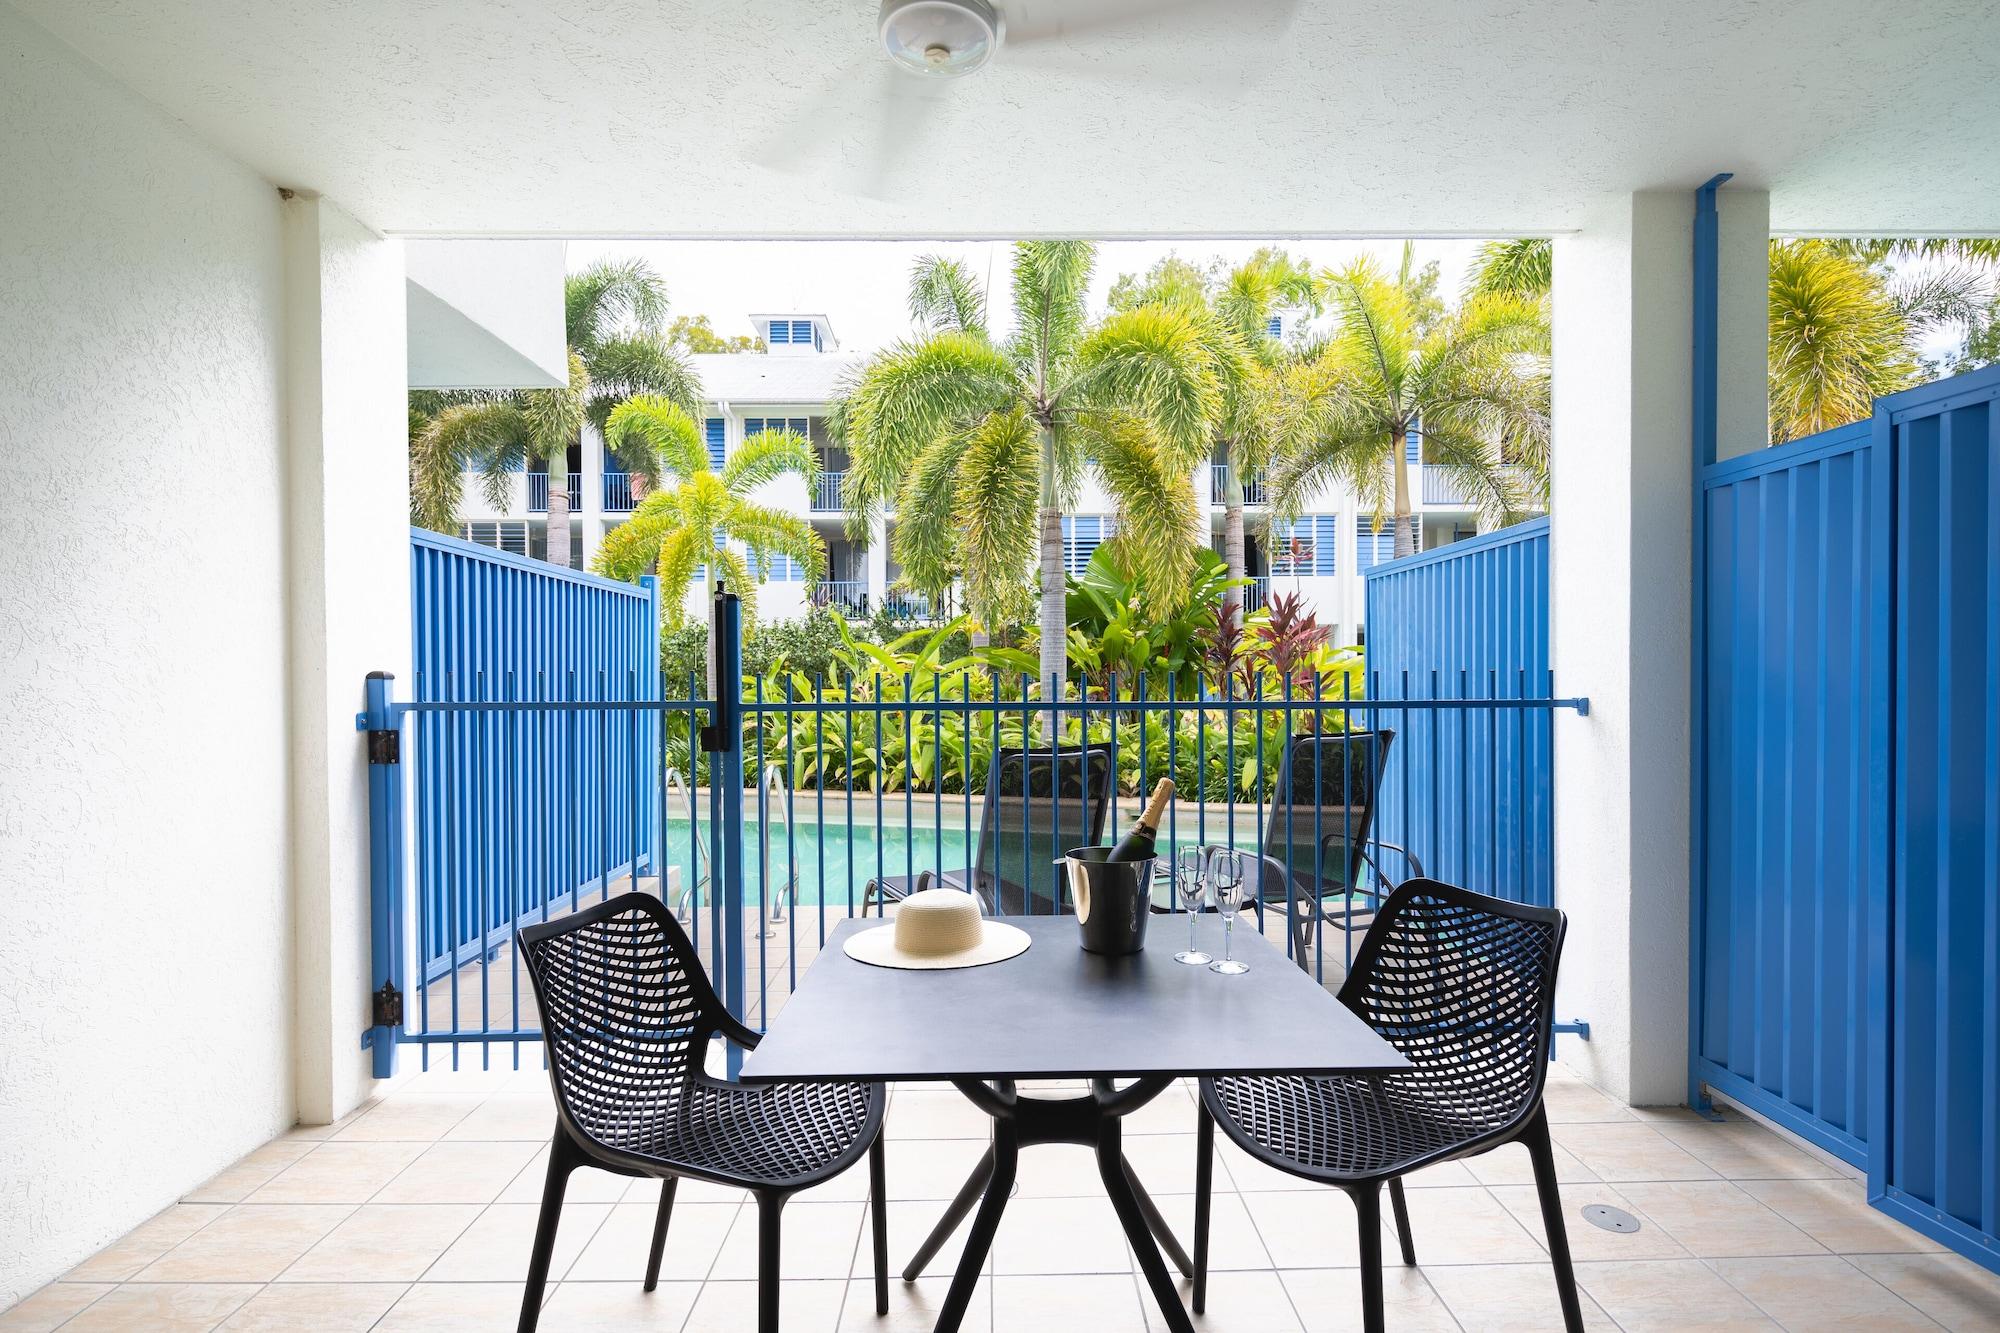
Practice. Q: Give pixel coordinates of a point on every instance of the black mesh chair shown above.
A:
(1318, 858)
(1464, 986)
(1038, 805)
(627, 1014)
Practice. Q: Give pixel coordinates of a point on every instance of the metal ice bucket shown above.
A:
(1113, 899)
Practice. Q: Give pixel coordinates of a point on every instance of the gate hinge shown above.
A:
(388, 1006)
(385, 746)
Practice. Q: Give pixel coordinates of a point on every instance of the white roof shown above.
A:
(752, 377)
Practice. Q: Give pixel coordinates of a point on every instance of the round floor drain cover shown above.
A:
(1611, 1219)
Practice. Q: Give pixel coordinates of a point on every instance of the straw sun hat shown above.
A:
(937, 928)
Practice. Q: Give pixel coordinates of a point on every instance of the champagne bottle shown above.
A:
(1141, 841)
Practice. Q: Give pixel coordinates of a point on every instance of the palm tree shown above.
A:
(981, 444)
(689, 525)
(1472, 376)
(1845, 327)
(1234, 310)
(612, 315)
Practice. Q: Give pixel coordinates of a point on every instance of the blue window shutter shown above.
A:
(716, 437)
(1413, 444)
(1326, 544)
(1082, 535)
(802, 332)
(1275, 326)
(781, 331)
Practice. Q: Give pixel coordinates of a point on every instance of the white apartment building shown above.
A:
(1321, 555)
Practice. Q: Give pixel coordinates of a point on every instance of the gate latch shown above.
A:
(385, 746)
(388, 1006)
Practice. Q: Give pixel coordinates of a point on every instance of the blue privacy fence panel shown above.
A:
(1469, 621)
(514, 810)
(1790, 810)
(1939, 1164)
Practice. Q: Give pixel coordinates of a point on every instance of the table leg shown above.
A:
(1157, 1224)
(1118, 1184)
(979, 1241)
(961, 1204)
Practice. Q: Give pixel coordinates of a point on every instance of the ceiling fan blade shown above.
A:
(905, 105)
(1218, 46)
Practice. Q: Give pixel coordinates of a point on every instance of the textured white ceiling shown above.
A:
(761, 117)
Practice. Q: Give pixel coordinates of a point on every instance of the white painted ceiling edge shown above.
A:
(762, 118)
(485, 314)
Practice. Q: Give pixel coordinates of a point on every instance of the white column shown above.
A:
(595, 460)
(349, 576)
(878, 563)
(1620, 569)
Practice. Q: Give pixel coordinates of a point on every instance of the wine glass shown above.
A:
(1191, 888)
(1225, 878)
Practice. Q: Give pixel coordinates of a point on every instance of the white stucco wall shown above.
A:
(145, 931)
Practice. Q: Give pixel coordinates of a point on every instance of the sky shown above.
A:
(860, 286)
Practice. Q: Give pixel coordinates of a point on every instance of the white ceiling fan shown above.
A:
(1203, 48)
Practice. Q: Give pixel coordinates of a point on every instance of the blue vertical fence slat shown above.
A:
(1468, 620)
(1786, 762)
(1940, 1170)
(574, 795)
(1847, 894)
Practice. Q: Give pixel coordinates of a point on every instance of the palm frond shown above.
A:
(654, 437)
(927, 540)
(1522, 268)
(1154, 363)
(945, 297)
(623, 367)
(1051, 283)
(910, 395)
(767, 456)
(471, 437)
(994, 512)
(610, 297)
(1837, 339)
(1160, 526)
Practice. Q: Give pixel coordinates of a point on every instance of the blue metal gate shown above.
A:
(1846, 912)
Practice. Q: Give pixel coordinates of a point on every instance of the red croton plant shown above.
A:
(1283, 642)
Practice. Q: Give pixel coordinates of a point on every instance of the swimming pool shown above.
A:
(832, 863)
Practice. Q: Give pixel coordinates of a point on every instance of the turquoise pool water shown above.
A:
(830, 861)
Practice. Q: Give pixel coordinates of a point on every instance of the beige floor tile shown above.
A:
(816, 1240)
(1510, 1298)
(252, 1242)
(383, 1242)
(1309, 1230)
(931, 1168)
(146, 1242)
(1252, 1302)
(1464, 1226)
(1252, 1176)
(454, 1307)
(1836, 1214)
(731, 1307)
(647, 1191)
(913, 1307)
(321, 1133)
(1328, 1300)
(1650, 1241)
(463, 1082)
(420, 1118)
(618, 1250)
(235, 1182)
(618, 1307)
(339, 1173)
(586, 1184)
(1715, 1218)
(1069, 1170)
(508, 1116)
(496, 1246)
(1820, 1293)
(1746, 1152)
(1954, 1291)
(1101, 1302)
(1233, 1239)
(1629, 1151)
(1666, 1294)
(925, 1113)
(1576, 1103)
(50, 1306)
(1509, 1165)
(1079, 1235)
(162, 1308)
(348, 1307)
(458, 1173)
(1443, 1176)
(909, 1222)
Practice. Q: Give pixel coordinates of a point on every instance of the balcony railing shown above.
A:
(618, 496)
(1439, 488)
(826, 492)
(848, 595)
(1254, 492)
(1258, 595)
(538, 492)
(907, 605)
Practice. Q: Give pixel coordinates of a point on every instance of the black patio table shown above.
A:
(1056, 1012)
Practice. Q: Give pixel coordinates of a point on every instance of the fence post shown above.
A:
(383, 727)
(727, 770)
(650, 682)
